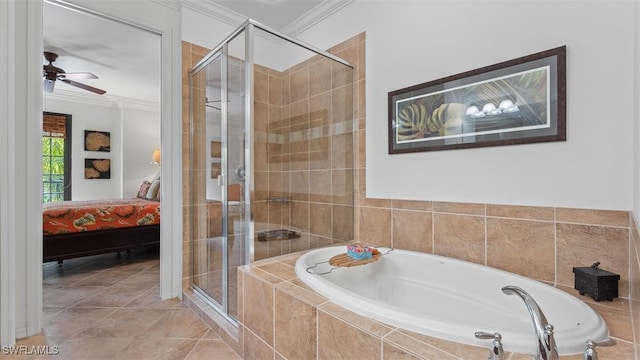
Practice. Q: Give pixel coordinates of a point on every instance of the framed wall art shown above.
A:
(97, 168)
(97, 140)
(519, 101)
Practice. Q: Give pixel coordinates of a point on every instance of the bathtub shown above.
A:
(450, 299)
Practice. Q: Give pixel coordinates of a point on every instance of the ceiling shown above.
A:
(126, 59)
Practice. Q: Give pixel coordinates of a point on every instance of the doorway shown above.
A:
(22, 236)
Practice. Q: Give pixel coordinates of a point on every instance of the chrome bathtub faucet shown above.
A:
(497, 353)
(590, 352)
(546, 346)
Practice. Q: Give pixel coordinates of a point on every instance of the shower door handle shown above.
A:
(220, 180)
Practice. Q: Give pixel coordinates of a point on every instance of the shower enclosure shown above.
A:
(271, 156)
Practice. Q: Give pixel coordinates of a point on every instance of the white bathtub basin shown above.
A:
(451, 299)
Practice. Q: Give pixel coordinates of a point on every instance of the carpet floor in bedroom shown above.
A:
(109, 307)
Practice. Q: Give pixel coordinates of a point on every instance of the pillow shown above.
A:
(154, 189)
(144, 189)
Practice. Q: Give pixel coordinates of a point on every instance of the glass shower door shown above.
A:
(217, 187)
(207, 192)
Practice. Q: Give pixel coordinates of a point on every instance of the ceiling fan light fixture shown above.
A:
(48, 85)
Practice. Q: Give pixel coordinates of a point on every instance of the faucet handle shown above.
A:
(497, 353)
(590, 351)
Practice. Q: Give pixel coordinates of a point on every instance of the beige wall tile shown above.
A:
(338, 340)
(413, 230)
(583, 245)
(342, 104)
(261, 84)
(299, 185)
(300, 215)
(617, 319)
(255, 347)
(275, 90)
(361, 109)
(342, 223)
(521, 212)
(320, 186)
(319, 241)
(361, 157)
(342, 186)
(295, 327)
(510, 244)
(361, 322)
(361, 65)
(459, 208)
(593, 217)
(299, 85)
(413, 345)
(301, 293)
(392, 352)
(459, 236)
(280, 270)
(375, 226)
(411, 205)
(320, 76)
(320, 219)
(258, 308)
(341, 75)
(342, 151)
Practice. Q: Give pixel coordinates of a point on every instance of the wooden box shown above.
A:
(597, 283)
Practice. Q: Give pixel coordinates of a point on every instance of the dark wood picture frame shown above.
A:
(97, 168)
(97, 141)
(519, 101)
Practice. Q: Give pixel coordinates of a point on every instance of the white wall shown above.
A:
(140, 136)
(203, 30)
(135, 133)
(410, 42)
(101, 115)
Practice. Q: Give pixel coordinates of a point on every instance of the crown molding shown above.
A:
(230, 17)
(101, 100)
(213, 10)
(315, 15)
(171, 4)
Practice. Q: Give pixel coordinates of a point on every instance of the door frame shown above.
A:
(21, 239)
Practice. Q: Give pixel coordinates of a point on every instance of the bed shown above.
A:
(73, 229)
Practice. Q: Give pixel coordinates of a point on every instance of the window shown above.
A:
(56, 157)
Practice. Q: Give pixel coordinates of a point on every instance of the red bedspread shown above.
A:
(76, 216)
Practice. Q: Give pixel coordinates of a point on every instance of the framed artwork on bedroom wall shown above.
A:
(97, 168)
(97, 141)
(216, 170)
(519, 101)
(216, 149)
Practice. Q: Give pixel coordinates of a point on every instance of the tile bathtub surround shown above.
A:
(305, 325)
(539, 242)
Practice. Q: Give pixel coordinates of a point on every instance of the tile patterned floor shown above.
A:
(109, 307)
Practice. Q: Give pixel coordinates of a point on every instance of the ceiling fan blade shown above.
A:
(78, 75)
(83, 86)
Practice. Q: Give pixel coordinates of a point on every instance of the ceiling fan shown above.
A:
(52, 73)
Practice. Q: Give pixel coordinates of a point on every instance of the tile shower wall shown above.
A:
(192, 213)
(303, 155)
